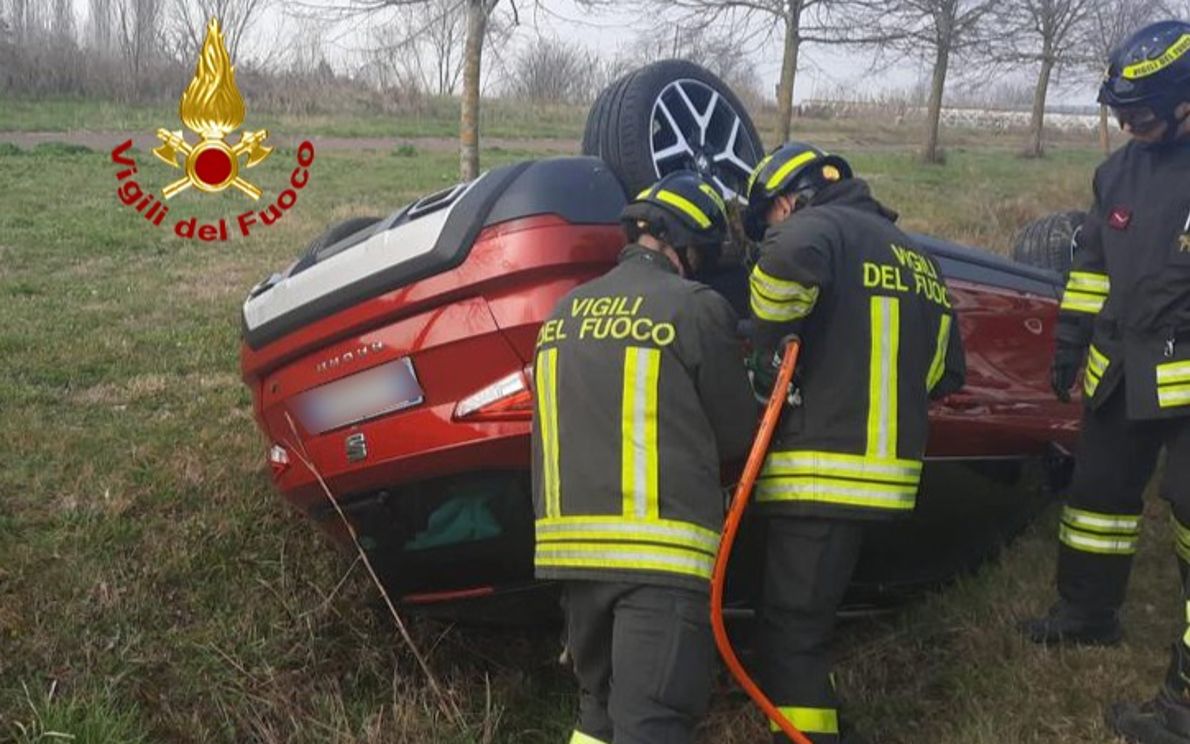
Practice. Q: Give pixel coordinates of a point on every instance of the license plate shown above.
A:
(389, 387)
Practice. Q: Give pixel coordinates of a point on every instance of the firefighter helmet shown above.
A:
(683, 209)
(1150, 70)
(792, 168)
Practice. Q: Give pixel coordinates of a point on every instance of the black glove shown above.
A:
(1068, 360)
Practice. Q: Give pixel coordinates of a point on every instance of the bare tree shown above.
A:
(236, 17)
(936, 30)
(1039, 32)
(477, 13)
(138, 27)
(794, 22)
(551, 70)
(1109, 23)
(24, 20)
(714, 47)
(99, 25)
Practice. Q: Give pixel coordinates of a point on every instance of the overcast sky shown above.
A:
(823, 70)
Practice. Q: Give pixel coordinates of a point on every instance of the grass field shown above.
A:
(438, 117)
(153, 588)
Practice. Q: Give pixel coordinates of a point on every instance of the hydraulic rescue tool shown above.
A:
(772, 414)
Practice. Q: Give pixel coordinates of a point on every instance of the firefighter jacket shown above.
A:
(640, 393)
(1128, 294)
(879, 337)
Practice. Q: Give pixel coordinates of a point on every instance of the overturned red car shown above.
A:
(394, 356)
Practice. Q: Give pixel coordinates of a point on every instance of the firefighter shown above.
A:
(879, 338)
(641, 392)
(1126, 310)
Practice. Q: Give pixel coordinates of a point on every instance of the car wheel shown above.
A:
(1048, 243)
(673, 115)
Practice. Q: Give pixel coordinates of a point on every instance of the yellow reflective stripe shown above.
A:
(547, 418)
(780, 290)
(756, 172)
(1078, 302)
(638, 432)
(578, 737)
(1089, 282)
(1097, 362)
(1087, 542)
(685, 205)
(1173, 396)
(777, 312)
(1186, 635)
(810, 720)
(1173, 372)
(1181, 539)
(832, 465)
(789, 167)
(1100, 522)
(643, 194)
(938, 366)
(882, 377)
(673, 532)
(625, 557)
(713, 194)
(1153, 66)
(832, 491)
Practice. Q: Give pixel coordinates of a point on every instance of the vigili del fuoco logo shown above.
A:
(211, 108)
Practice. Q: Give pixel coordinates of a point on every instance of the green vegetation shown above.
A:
(154, 588)
(430, 117)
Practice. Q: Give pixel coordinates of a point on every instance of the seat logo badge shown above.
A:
(357, 447)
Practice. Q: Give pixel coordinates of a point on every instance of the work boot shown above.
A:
(1166, 718)
(1067, 624)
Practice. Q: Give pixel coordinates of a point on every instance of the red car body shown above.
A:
(467, 326)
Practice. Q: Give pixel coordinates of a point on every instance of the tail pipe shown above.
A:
(772, 414)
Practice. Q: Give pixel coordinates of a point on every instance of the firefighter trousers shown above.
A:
(644, 657)
(1100, 527)
(808, 565)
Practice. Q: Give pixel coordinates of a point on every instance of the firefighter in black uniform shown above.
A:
(641, 392)
(1126, 310)
(879, 338)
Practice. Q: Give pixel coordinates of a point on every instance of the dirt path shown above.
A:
(107, 140)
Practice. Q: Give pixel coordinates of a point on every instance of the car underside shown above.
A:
(393, 359)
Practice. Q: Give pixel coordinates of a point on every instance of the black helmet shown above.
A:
(1151, 69)
(683, 209)
(794, 167)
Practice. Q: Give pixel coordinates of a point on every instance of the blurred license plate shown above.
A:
(374, 392)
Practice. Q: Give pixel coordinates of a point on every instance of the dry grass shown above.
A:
(153, 588)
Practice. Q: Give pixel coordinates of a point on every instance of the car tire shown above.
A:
(1048, 242)
(333, 234)
(707, 127)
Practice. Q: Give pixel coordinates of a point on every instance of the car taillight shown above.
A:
(507, 399)
(278, 460)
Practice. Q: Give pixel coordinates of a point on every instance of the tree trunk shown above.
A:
(929, 151)
(1037, 123)
(793, 43)
(477, 18)
(1104, 134)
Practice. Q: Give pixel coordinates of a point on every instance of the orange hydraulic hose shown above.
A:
(772, 413)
